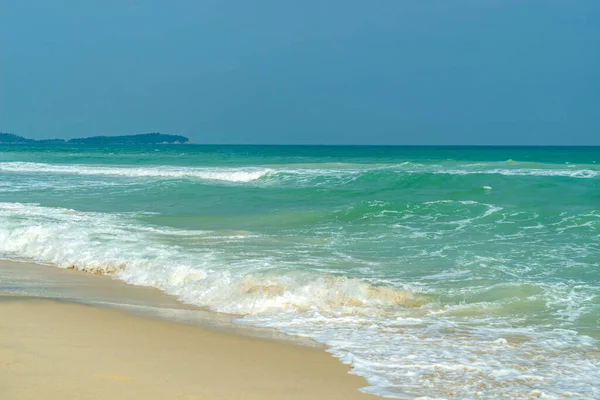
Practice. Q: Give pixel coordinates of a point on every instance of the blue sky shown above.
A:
(347, 72)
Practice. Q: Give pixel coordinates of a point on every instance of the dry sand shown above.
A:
(53, 349)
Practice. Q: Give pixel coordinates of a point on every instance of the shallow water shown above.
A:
(456, 272)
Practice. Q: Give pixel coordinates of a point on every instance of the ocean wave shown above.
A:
(406, 342)
(406, 173)
(114, 245)
(248, 174)
(569, 173)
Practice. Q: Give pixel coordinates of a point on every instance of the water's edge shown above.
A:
(73, 286)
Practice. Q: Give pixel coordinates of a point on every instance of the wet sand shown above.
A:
(57, 343)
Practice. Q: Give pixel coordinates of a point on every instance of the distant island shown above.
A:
(146, 138)
(13, 139)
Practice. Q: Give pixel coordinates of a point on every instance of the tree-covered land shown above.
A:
(14, 139)
(147, 138)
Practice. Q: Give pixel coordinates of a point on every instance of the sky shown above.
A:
(446, 72)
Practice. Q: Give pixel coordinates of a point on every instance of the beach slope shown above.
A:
(58, 350)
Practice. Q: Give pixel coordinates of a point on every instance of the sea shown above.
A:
(434, 272)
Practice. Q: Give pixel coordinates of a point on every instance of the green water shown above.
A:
(423, 267)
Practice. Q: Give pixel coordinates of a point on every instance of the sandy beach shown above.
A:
(57, 349)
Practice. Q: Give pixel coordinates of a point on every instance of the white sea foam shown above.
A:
(301, 174)
(403, 341)
(109, 244)
(582, 173)
(218, 174)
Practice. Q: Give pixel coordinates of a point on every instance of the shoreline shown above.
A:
(56, 345)
(45, 281)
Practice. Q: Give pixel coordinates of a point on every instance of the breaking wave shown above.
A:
(402, 339)
(303, 175)
(115, 245)
(217, 174)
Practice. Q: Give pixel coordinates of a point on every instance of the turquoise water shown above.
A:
(436, 272)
